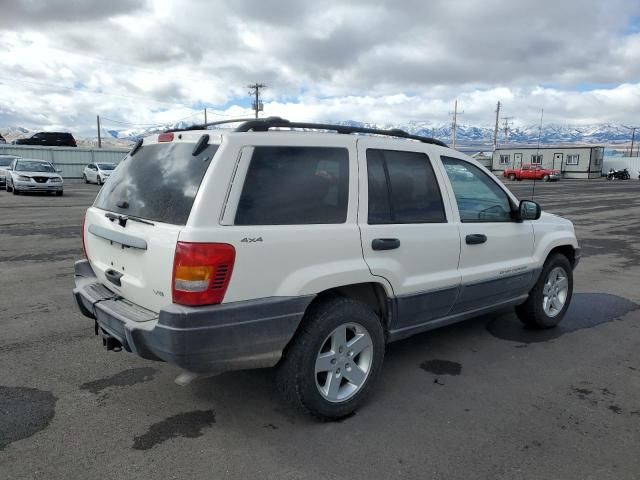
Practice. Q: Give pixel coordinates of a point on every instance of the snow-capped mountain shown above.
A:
(471, 135)
(601, 134)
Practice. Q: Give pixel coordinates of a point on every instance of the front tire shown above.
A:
(545, 178)
(59, 193)
(332, 363)
(551, 296)
(86, 180)
(15, 191)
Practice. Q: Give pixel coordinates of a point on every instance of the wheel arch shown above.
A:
(567, 250)
(372, 294)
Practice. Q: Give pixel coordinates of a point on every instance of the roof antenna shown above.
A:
(533, 192)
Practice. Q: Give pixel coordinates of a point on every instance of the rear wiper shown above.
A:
(140, 220)
(122, 219)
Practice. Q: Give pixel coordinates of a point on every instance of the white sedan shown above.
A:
(97, 172)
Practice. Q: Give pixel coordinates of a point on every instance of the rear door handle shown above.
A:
(476, 239)
(385, 244)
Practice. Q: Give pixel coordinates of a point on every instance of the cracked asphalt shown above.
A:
(481, 399)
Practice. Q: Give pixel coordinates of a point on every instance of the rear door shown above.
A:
(407, 236)
(132, 229)
(497, 253)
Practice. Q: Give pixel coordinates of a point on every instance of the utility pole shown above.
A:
(255, 91)
(506, 125)
(99, 136)
(633, 137)
(495, 130)
(454, 126)
(205, 116)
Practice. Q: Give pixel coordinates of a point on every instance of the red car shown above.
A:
(531, 172)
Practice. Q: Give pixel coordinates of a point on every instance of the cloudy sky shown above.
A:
(143, 62)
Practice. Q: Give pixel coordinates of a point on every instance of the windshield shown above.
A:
(6, 161)
(159, 182)
(106, 166)
(34, 166)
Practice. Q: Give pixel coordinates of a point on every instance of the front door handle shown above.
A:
(476, 239)
(385, 244)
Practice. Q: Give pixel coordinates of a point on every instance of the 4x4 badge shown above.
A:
(251, 240)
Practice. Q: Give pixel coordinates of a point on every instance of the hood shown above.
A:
(39, 174)
(561, 222)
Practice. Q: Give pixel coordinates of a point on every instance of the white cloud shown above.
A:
(65, 61)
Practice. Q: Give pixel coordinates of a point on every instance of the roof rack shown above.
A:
(203, 126)
(264, 124)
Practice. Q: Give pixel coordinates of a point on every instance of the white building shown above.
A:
(573, 162)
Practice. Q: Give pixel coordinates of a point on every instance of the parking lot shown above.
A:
(481, 399)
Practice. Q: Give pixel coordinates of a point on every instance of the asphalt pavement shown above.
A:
(481, 399)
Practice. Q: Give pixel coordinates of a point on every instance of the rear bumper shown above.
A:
(217, 338)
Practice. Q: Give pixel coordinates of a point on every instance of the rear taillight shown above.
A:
(201, 272)
(84, 246)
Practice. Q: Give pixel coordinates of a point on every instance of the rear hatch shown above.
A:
(132, 229)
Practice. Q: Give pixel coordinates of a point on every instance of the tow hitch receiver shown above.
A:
(111, 343)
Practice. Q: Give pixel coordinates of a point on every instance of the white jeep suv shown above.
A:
(308, 250)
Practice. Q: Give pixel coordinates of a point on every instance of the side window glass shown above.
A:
(295, 186)
(479, 198)
(402, 188)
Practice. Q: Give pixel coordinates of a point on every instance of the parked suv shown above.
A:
(309, 251)
(98, 172)
(48, 139)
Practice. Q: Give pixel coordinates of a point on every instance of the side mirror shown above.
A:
(529, 210)
(58, 170)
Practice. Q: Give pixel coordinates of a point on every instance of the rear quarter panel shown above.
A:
(277, 260)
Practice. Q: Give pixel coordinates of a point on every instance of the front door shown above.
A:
(496, 252)
(407, 234)
(517, 160)
(557, 161)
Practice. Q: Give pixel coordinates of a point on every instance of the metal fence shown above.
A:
(68, 159)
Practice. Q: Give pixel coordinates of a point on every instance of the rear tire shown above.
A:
(512, 177)
(86, 180)
(59, 193)
(548, 300)
(323, 371)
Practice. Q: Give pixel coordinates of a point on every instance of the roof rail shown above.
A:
(264, 124)
(203, 126)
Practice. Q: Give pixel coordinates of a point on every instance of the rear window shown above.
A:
(402, 188)
(159, 182)
(106, 166)
(295, 186)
